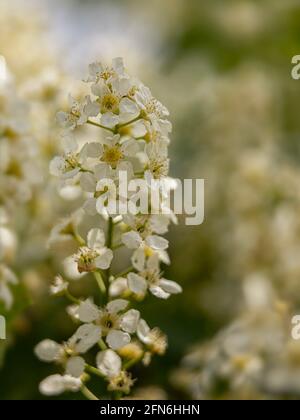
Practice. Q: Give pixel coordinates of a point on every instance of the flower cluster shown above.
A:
(254, 358)
(133, 138)
(17, 178)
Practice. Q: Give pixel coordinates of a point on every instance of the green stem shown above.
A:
(93, 370)
(102, 345)
(100, 282)
(99, 125)
(109, 232)
(109, 239)
(117, 246)
(131, 363)
(71, 297)
(88, 394)
(129, 122)
(86, 171)
(79, 239)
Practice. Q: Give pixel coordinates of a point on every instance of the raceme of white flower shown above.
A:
(131, 135)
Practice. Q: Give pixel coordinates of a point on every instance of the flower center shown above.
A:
(108, 322)
(86, 259)
(109, 103)
(159, 168)
(106, 74)
(112, 155)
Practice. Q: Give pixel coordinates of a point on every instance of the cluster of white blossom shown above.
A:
(132, 136)
(254, 358)
(18, 174)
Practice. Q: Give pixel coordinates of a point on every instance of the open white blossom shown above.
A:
(95, 255)
(115, 325)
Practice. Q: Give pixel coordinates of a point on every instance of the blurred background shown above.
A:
(224, 71)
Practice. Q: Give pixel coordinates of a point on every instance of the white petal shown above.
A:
(75, 366)
(127, 106)
(159, 224)
(130, 148)
(157, 242)
(96, 239)
(95, 68)
(137, 284)
(104, 260)
(170, 286)
(85, 337)
(102, 170)
(159, 292)
(143, 330)
(118, 65)
(121, 85)
(117, 339)
(57, 166)
(131, 240)
(138, 259)
(109, 120)
(57, 384)
(118, 287)
(48, 350)
(88, 182)
(62, 119)
(71, 384)
(88, 311)
(129, 321)
(90, 206)
(51, 386)
(91, 109)
(94, 150)
(117, 305)
(153, 262)
(109, 363)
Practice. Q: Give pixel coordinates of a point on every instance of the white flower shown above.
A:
(95, 255)
(99, 72)
(150, 106)
(114, 150)
(115, 325)
(50, 351)
(7, 278)
(133, 240)
(66, 228)
(57, 384)
(113, 89)
(59, 286)
(104, 188)
(69, 165)
(109, 363)
(154, 339)
(149, 277)
(77, 114)
(156, 162)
